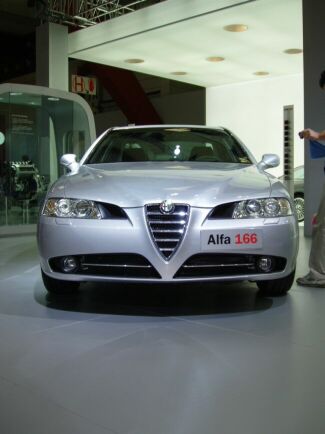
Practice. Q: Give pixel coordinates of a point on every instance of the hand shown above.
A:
(309, 134)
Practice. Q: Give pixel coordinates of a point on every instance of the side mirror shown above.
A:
(69, 162)
(268, 161)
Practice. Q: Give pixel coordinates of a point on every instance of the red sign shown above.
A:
(85, 85)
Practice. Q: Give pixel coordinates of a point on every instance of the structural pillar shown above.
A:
(314, 101)
(52, 61)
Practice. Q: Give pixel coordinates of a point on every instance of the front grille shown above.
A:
(216, 264)
(167, 230)
(126, 265)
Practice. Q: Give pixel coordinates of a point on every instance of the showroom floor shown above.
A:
(156, 360)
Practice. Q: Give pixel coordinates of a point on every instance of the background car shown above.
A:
(168, 204)
(299, 195)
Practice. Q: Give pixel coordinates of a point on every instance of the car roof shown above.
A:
(135, 127)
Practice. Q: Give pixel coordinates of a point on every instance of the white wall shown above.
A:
(52, 64)
(254, 112)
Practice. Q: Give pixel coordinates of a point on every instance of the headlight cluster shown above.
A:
(71, 208)
(262, 208)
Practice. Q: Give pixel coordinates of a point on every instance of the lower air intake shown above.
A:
(215, 265)
(124, 265)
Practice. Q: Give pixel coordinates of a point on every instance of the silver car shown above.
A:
(168, 204)
(299, 193)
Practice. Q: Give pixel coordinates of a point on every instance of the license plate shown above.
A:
(231, 239)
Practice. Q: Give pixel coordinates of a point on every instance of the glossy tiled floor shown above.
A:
(157, 360)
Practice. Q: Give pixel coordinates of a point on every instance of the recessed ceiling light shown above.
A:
(261, 73)
(236, 28)
(134, 60)
(179, 73)
(293, 51)
(15, 93)
(215, 59)
(53, 98)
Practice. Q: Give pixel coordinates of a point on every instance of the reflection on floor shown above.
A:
(143, 359)
(19, 213)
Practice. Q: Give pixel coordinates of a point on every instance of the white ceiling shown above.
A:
(178, 35)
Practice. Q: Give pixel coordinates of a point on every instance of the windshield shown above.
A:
(168, 144)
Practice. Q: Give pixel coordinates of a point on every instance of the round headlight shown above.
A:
(83, 208)
(63, 208)
(253, 207)
(272, 207)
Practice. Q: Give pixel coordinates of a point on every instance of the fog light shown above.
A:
(265, 264)
(69, 264)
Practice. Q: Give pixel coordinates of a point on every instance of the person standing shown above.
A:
(316, 275)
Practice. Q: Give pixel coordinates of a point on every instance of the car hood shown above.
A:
(136, 184)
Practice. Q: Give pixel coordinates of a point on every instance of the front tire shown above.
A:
(299, 202)
(276, 287)
(59, 287)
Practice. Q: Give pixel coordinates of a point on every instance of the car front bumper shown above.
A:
(76, 237)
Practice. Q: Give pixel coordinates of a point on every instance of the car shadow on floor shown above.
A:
(161, 300)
